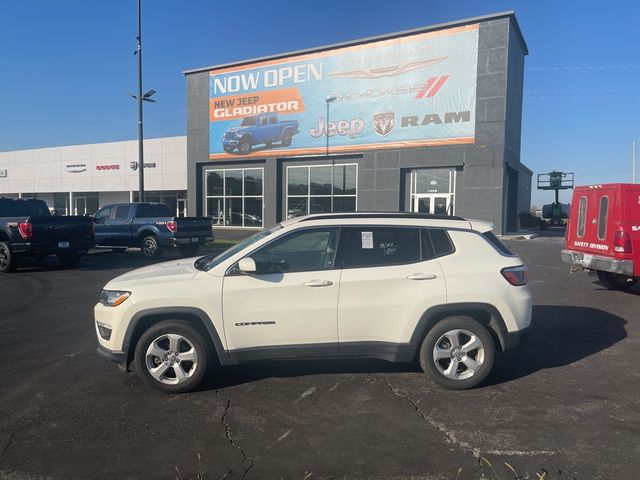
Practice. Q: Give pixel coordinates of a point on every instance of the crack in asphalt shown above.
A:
(8, 444)
(450, 436)
(232, 442)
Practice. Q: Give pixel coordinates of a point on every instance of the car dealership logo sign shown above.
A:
(114, 166)
(76, 167)
(383, 123)
(134, 165)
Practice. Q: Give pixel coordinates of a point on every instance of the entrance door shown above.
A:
(182, 207)
(80, 205)
(437, 204)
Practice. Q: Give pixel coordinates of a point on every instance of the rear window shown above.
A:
(23, 208)
(153, 210)
(602, 217)
(582, 216)
(495, 241)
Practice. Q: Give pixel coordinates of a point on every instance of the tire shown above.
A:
(615, 281)
(157, 363)
(228, 149)
(287, 138)
(150, 247)
(189, 250)
(69, 259)
(442, 338)
(244, 147)
(8, 262)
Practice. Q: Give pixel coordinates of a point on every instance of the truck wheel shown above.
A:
(228, 148)
(244, 146)
(287, 138)
(457, 353)
(189, 250)
(69, 259)
(8, 262)
(172, 357)
(150, 247)
(614, 281)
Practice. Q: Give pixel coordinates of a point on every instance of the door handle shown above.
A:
(422, 276)
(318, 283)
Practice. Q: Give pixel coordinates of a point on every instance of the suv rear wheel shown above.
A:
(172, 357)
(457, 353)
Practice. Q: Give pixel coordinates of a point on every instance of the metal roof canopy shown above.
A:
(440, 26)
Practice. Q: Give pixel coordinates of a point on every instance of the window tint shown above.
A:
(441, 242)
(153, 210)
(582, 216)
(23, 208)
(502, 248)
(377, 246)
(104, 213)
(602, 217)
(122, 212)
(305, 250)
(273, 120)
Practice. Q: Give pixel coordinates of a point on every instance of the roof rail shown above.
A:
(425, 216)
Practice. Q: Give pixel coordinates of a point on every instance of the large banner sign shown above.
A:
(412, 91)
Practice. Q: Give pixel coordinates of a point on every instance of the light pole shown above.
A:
(141, 98)
(329, 99)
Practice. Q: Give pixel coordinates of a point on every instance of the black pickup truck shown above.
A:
(150, 226)
(27, 229)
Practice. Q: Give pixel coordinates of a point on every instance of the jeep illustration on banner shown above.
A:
(412, 91)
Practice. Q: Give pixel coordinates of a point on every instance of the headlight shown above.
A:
(113, 298)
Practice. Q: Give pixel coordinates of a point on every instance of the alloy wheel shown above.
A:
(458, 354)
(171, 359)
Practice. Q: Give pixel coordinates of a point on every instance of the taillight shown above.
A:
(622, 242)
(25, 229)
(516, 276)
(172, 226)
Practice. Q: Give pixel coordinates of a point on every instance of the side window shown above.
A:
(143, 211)
(104, 213)
(582, 216)
(306, 250)
(436, 243)
(602, 217)
(379, 246)
(122, 212)
(273, 120)
(263, 121)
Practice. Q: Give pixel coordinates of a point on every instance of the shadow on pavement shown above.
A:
(561, 335)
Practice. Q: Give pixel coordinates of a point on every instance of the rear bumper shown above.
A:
(201, 240)
(597, 262)
(49, 247)
(515, 339)
(119, 358)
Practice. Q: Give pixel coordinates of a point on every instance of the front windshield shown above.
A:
(249, 121)
(211, 261)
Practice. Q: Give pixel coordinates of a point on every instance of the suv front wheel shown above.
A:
(457, 353)
(172, 357)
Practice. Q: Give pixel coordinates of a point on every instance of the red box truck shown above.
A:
(603, 233)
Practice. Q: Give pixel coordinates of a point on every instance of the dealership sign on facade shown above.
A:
(412, 91)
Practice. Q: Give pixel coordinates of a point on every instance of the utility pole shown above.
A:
(140, 134)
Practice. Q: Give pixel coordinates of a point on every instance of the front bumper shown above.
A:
(229, 142)
(118, 357)
(597, 262)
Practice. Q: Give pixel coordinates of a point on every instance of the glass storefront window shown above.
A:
(433, 190)
(321, 188)
(234, 197)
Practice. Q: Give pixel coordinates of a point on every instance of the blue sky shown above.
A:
(67, 65)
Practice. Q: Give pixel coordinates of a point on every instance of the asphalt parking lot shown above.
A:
(566, 403)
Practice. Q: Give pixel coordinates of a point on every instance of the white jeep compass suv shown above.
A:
(394, 286)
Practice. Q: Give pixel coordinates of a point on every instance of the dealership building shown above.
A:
(426, 120)
(79, 179)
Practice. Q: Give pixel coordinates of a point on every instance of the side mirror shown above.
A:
(247, 265)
